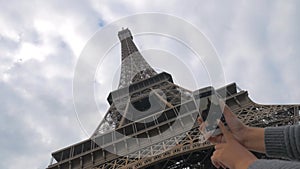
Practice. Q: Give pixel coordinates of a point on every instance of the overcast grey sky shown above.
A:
(40, 41)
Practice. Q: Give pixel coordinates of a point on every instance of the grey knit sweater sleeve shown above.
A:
(281, 142)
(274, 164)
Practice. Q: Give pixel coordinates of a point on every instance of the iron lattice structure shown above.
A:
(158, 137)
(134, 67)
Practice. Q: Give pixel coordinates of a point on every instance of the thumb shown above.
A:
(227, 134)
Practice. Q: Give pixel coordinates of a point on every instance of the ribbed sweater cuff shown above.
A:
(275, 142)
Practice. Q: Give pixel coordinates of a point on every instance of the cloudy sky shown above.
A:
(258, 43)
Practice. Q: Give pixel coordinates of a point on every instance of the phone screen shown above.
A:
(210, 107)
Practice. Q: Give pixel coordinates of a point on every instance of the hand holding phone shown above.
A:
(211, 108)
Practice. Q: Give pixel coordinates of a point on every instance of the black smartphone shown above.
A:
(210, 106)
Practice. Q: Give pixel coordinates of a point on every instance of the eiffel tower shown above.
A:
(151, 122)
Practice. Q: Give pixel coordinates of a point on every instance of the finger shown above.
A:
(222, 165)
(202, 127)
(214, 161)
(219, 146)
(200, 120)
(202, 130)
(217, 139)
(225, 132)
(218, 164)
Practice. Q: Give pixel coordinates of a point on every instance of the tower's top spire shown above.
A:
(134, 67)
(124, 33)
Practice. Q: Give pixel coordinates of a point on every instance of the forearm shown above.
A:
(282, 142)
(254, 139)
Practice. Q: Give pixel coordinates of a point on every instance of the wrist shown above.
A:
(253, 139)
(245, 163)
(247, 137)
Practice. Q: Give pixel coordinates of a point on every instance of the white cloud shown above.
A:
(32, 51)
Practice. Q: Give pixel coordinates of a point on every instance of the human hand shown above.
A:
(237, 128)
(231, 154)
